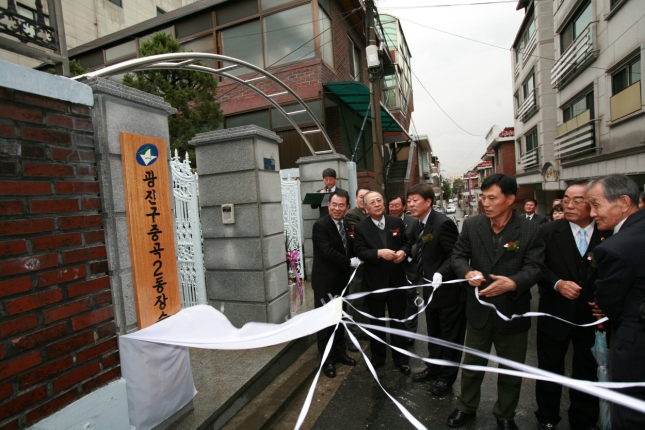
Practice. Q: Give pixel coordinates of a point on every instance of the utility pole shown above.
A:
(375, 100)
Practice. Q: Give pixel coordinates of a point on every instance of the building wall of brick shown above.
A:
(57, 332)
(507, 165)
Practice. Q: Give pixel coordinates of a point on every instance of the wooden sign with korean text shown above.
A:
(150, 228)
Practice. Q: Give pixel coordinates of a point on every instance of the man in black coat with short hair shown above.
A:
(333, 251)
(501, 254)
(380, 242)
(565, 292)
(620, 288)
(433, 237)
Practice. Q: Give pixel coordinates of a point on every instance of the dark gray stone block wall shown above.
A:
(311, 181)
(246, 273)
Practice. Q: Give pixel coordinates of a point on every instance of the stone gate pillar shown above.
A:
(119, 108)
(246, 272)
(311, 181)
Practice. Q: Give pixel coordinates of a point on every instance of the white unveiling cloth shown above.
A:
(156, 365)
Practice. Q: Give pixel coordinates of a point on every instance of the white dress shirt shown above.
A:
(575, 228)
(619, 225)
(376, 223)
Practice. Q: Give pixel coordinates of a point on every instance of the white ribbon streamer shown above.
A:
(402, 408)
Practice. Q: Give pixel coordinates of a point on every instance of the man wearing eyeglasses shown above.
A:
(333, 259)
(567, 292)
(381, 243)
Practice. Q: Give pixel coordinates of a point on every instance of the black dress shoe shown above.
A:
(345, 359)
(506, 425)
(458, 418)
(404, 368)
(441, 389)
(329, 370)
(352, 347)
(424, 375)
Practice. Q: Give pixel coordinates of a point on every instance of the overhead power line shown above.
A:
(450, 5)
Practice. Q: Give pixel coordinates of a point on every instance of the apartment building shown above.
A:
(534, 98)
(585, 117)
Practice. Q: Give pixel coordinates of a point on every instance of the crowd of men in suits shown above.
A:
(587, 265)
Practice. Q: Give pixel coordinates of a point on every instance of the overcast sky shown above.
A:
(471, 81)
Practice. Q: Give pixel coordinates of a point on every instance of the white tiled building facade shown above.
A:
(587, 117)
(88, 20)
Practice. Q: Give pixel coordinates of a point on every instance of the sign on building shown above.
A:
(150, 227)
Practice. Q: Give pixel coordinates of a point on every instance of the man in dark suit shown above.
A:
(380, 242)
(329, 178)
(565, 292)
(530, 205)
(620, 288)
(433, 237)
(330, 273)
(357, 214)
(396, 208)
(502, 255)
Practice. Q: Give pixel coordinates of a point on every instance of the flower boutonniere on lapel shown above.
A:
(591, 258)
(351, 234)
(427, 238)
(513, 246)
(395, 233)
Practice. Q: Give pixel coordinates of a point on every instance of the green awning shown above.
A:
(356, 95)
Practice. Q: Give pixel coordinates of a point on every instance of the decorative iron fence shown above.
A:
(188, 233)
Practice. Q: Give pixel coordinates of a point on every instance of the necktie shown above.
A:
(343, 236)
(419, 250)
(381, 225)
(582, 241)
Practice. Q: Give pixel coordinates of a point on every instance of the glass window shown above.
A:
(194, 24)
(268, 4)
(516, 97)
(614, 3)
(326, 45)
(259, 118)
(91, 60)
(528, 86)
(234, 10)
(202, 44)
(125, 49)
(579, 106)
(160, 11)
(284, 43)
(531, 140)
(148, 37)
(116, 2)
(243, 42)
(577, 25)
(278, 119)
(626, 76)
(354, 61)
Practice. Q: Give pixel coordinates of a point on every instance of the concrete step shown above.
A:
(263, 411)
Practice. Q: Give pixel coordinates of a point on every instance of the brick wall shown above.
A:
(366, 180)
(508, 166)
(57, 332)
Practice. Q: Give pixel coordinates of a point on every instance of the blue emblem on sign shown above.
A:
(147, 154)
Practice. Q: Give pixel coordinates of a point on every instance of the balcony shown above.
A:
(579, 54)
(516, 71)
(575, 136)
(529, 160)
(528, 107)
(627, 101)
(528, 50)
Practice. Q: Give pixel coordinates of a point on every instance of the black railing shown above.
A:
(28, 30)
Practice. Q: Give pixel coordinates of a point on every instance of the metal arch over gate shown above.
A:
(187, 60)
(188, 233)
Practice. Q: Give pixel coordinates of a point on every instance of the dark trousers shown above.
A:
(511, 346)
(411, 308)
(355, 287)
(584, 408)
(395, 302)
(322, 337)
(446, 323)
